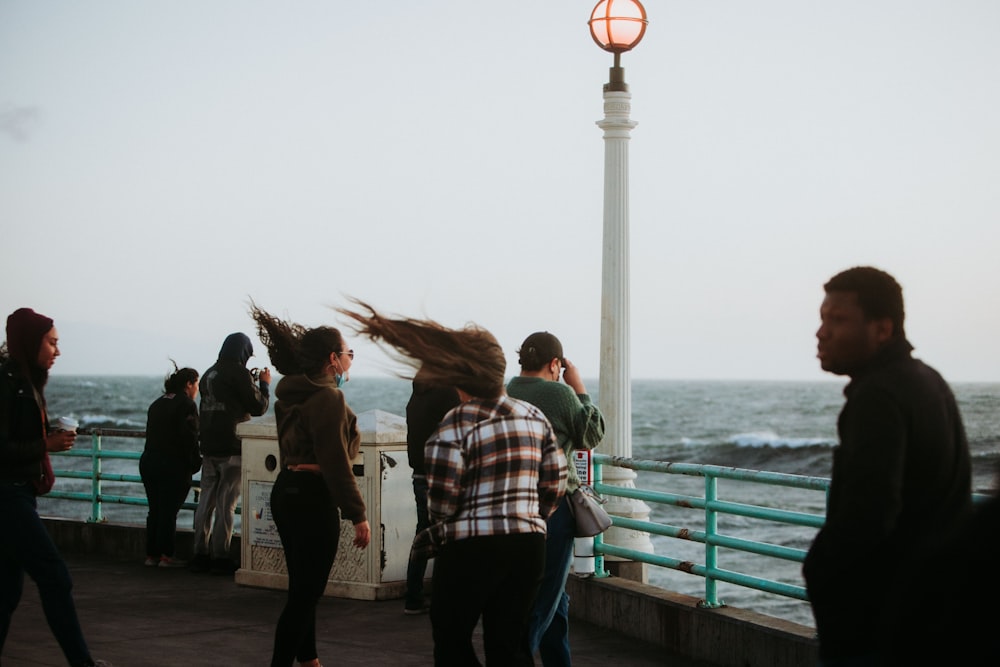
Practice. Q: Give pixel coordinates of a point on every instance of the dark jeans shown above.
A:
(416, 569)
(309, 526)
(548, 625)
(494, 577)
(166, 489)
(27, 547)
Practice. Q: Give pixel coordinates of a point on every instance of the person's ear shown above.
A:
(884, 330)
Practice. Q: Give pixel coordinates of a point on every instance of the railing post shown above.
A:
(96, 515)
(711, 600)
(599, 570)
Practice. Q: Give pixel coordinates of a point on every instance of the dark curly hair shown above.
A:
(879, 295)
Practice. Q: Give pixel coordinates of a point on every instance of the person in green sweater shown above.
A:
(578, 424)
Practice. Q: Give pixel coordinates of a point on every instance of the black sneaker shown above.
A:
(200, 563)
(223, 566)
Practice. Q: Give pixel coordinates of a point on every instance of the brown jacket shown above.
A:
(315, 425)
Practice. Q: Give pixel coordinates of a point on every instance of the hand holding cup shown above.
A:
(67, 424)
(63, 436)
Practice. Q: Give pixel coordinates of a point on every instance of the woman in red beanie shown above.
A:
(25, 441)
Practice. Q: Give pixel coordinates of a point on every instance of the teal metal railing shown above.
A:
(97, 476)
(712, 507)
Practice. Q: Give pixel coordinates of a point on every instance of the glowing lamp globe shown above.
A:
(618, 25)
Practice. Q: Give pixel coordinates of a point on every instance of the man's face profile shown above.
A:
(846, 339)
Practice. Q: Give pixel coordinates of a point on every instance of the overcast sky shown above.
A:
(161, 163)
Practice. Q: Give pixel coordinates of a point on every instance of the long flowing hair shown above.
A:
(469, 358)
(294, 349)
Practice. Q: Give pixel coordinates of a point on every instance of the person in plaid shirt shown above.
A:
(495, 473)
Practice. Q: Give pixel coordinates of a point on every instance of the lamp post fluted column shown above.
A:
(615, 384)
(615, 391)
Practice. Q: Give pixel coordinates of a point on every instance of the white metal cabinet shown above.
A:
(383, 473)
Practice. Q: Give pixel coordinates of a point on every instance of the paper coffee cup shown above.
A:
(67, 424)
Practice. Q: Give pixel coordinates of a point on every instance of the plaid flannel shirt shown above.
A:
(493, 468)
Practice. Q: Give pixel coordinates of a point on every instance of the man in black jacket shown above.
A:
(900, 473)
(229, 396)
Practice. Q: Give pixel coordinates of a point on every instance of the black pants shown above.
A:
(495, 577)
(26, 547)
(167, 485)
(309, 526)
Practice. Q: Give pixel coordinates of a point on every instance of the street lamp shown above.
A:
(617, 26)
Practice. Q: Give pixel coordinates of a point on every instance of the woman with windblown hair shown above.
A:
(25, 440)
(317, 439)
(494, 474)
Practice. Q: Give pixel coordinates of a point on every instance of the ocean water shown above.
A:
(778, 426)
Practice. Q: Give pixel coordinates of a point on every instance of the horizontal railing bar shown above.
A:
(694, 502)
(749, 546)
(721, 472)
(103, 453)
(766, 585)
(768, 513)
(759, 548)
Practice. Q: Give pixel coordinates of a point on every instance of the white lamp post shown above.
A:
(617, 26)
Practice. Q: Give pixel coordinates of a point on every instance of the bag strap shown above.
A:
(45, 464)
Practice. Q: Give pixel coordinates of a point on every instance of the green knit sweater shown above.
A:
(578, 423)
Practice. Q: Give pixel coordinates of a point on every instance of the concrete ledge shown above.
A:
(121, 540)
(726, 636)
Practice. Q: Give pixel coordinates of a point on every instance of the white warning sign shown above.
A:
(257, 514)
(581, 460)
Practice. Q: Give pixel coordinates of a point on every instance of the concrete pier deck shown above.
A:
(134, 615)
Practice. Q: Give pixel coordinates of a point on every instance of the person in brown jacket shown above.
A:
(317, 439)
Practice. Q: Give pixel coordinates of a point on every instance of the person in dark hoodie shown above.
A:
(316, 488)
(229, 396)
(25, 440)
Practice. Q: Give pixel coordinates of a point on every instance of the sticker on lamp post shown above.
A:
(583, 547)
(581, 460)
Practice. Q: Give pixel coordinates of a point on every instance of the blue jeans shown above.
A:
(27, 547)
(416, 569)
(548, 626)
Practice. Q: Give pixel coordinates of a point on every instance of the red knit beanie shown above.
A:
(25, 330)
